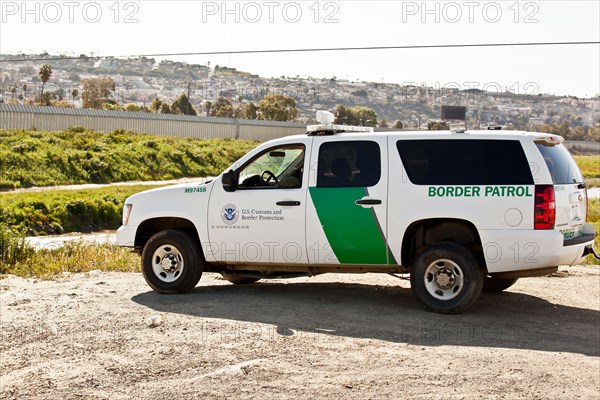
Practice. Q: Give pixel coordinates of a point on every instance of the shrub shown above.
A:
(13, 248)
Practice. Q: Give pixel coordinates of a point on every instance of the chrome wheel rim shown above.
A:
(444, 279)
(167, 263)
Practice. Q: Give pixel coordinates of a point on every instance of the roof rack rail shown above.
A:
(326, 126)
(330, 129)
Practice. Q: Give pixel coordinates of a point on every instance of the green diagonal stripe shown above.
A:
(352, 231)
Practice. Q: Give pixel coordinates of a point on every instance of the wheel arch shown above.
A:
(425, 232)
(151, 226)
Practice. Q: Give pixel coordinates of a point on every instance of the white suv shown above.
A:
(459, 211)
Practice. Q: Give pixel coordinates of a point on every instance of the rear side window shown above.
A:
(561, 165)
(349, 164)
(465, 162)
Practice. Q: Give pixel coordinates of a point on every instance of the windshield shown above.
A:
(280, 167)
(561, 165)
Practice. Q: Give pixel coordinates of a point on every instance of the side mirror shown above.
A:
(229, 181)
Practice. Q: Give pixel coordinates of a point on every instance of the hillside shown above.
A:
(140, 80)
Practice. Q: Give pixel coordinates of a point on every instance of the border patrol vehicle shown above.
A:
(460, 212)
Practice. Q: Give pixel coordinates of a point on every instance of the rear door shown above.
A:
(569, 188)
(346, 215)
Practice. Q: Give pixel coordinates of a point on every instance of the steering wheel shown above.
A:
(270, 176)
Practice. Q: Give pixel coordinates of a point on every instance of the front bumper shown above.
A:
(126, 235)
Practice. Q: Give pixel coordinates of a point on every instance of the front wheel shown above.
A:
(446, 278)
(172, 262)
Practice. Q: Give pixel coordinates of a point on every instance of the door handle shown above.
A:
(288, 203)
(367, 202)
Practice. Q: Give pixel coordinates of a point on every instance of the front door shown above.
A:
(263, 220)
(347, 206)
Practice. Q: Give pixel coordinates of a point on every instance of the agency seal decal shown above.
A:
(229, 214)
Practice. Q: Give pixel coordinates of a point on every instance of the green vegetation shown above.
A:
(61, 211)
(19, 258)
(359, 115)
(590, 168)
(77, 155)
(13, 246)
(594, 218)
(71, 258)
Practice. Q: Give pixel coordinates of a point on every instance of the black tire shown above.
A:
(446, 278)
(491, 284)
(178, 251)
(239, 280)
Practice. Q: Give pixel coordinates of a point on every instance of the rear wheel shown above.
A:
(172, 262)
(239, 279)
(491, 284)
(446, 278)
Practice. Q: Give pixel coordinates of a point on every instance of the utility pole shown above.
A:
(189, 98)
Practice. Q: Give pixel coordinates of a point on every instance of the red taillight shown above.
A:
(545, 207)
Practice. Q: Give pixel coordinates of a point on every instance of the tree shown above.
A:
(357, 116)
(343, 116)
(165, 109)
(365, 116)
(578, 133)
(278, 107)
(75, 94)
(208, 107)
(383, 123)
(398, 125)
(97, 92)
(132, 107)
(438, 126)
(183, 106)
(155, 105)
(45, 73)
(251, 111)
(222, 108)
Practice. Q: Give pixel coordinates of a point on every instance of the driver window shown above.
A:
(278, 167)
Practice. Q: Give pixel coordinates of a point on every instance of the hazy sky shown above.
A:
(112, 28)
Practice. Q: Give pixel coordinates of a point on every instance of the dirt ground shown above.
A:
(328, 337)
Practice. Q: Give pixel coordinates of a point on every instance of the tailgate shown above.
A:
(570, 209)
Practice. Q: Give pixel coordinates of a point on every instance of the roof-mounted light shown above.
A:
(325, 117)
(326, 126)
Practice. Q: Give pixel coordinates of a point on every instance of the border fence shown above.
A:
(590, 147)
(13, 116)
